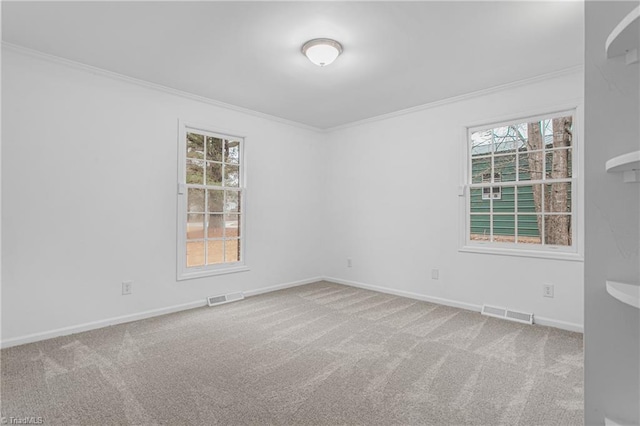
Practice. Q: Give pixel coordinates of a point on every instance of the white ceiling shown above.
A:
(396, 54)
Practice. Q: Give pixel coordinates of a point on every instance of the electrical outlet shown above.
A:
(435, 274)
(547, 290)
(349, 263)
(127, 287)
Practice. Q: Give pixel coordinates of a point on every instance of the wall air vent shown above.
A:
(224, 298)
(507, 314)
(493, 311)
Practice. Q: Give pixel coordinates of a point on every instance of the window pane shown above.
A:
(558, 165)
(231, 176)
(215, 253)
(479, 168)
(530, 167)
(519, 134)
(547, 132)
(232, 153)
(195, 253)
(504, 228)
(214, 174)
(214, 149)
(233, 201)
(528, 232)
(557, 230)
(562, 131)
(195, 172)
(523, 167)
(195, 145)
(481, 143)
(232, 250)
(478, 204)
(232, 225)
(503, 199)
(557, 197)
(505, 145)
(195, 200)
(480, 227)
(215, 225)
(527, 195)
(504, 168)
(508, 139)
(195, 226)
(215, 200)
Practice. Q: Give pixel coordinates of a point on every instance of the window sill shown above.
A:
(201, 273)
(503, 251)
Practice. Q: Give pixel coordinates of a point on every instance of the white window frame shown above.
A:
(184, 272)
(573, 252)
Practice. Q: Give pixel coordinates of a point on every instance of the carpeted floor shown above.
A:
(316, 354)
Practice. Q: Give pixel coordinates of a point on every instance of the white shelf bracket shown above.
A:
(631, 176)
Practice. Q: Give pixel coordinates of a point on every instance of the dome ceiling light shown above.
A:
(322, 51)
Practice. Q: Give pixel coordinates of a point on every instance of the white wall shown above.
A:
(393, 208)
(612, 329)
(89, 198)
(89, 180)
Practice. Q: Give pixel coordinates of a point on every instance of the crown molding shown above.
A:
(483, 92)
(113, 75)
(143, 83)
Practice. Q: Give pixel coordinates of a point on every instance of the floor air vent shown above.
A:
(225, 298)
(503, 313)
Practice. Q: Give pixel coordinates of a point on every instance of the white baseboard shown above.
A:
(564, 325)
(454, 303)
(281, 286)
(409, 294)
(64, 331)
(44, 335)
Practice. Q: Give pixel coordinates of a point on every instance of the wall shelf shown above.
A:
(625, 292)
(625, 38)
(627, 164)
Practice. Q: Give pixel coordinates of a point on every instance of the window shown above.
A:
(521, 185)
(210, 203)
(489, 192)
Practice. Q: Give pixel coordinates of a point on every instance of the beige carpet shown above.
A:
(316, 354)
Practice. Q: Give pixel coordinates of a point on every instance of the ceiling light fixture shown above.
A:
(322, 51)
